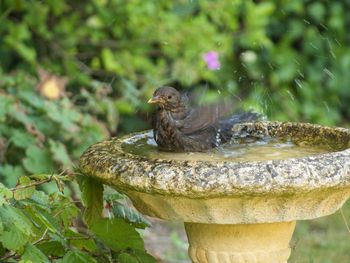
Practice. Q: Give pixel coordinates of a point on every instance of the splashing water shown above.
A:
(329, 73)
(263, 149)
(299, 83)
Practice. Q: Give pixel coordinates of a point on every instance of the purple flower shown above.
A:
(212, 60)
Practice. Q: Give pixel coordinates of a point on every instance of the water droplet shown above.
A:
(110, 215)
(311, 44)
(296, 61)
(290, 95)
(332, 53)
(336, 40)
(300, 73)
(249, 56)
(328, 72)
(326, 105)
(217, 137)
(325, 27)
(299, 83)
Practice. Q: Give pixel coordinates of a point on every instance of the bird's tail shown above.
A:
(225, 126)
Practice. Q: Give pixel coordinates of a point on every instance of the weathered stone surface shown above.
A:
(195, 179)
(258, 243)
(226, 205)
(264, 191)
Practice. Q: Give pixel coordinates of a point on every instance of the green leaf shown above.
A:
(77, 257)
(11, 174)
(92, 196)
(13, 239)
(68, 214)
(60, 154)
(117, 234)
(5, 102)
(2, 250)
(52, 248)
(129, 214)
(80, 241)
(26, 52)
(43, 219)
(38, 160)
(19, 114)
(24, 193)
(5, 194)
(1, 227)
(84, 244)
(22, 139)
(16, 218)
(34, 254)
(32, 98)
(65, 117)
(136, 256)
(144, 257)
(40, 198)
(110, 62)
(127, 258)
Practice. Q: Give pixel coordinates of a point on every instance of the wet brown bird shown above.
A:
(178, 127)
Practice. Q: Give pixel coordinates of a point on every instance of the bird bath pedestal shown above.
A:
(233, 211)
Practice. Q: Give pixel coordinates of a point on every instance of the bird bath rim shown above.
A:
(112, 164)
(233, 212)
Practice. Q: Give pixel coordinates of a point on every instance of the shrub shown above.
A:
(39, 135)
(75, 72)
(270, 51)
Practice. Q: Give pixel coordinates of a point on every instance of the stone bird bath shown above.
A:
(233, 211)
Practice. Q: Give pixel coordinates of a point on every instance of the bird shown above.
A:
(178, 127)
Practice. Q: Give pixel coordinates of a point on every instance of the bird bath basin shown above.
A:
(233, 210)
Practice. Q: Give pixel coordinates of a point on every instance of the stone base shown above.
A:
(249, 243)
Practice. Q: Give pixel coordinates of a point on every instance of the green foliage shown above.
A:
(270, 51)
(113, 233)
(40, 135)
(78, 257)
(92, 197)
(119, 234)
(120, 210)
(40, 227)
(288, 59)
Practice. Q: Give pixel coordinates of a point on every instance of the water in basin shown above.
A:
(263, 149)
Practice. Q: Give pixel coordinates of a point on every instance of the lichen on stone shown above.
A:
(112, 164)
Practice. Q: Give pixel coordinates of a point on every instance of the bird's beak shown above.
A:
(154, 100)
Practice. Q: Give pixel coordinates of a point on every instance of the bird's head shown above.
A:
(167, 98)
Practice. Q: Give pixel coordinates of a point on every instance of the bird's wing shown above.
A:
(203, 117)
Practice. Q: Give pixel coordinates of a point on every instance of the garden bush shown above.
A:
(75, 72)
(270, 51)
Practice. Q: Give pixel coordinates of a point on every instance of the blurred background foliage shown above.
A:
(75, 72)
(72, 73)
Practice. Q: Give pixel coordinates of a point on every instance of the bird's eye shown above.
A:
(169, 97)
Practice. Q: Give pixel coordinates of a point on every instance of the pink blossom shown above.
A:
(212, 60)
